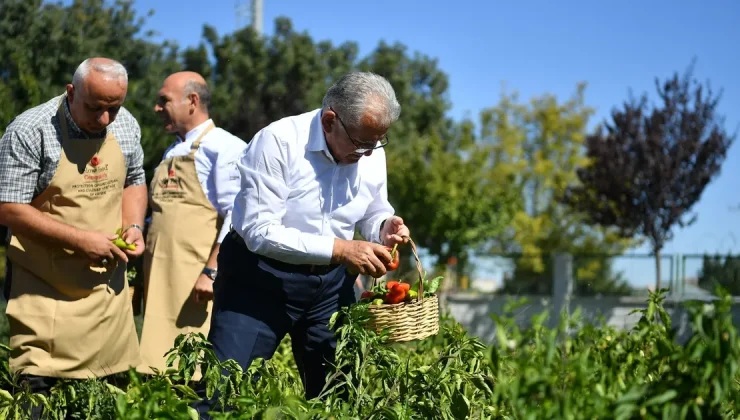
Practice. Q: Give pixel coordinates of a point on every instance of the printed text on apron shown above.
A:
(68, 319)
(183, 229)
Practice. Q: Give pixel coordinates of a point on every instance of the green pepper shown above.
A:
(119, 242)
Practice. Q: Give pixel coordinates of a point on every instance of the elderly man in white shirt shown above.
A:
(307, 181)
(191, 196)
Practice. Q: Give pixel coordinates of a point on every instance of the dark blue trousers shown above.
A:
(258, 300)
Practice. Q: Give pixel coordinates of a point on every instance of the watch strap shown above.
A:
(134, 225)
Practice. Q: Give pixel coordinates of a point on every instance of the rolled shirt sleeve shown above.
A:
(135, 163)
(260, 205)
(20, 165)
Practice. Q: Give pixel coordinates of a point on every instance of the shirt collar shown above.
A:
(316, 137)
(195, 132)
(74, 129)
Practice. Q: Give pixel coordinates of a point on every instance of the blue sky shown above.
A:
(533, 47)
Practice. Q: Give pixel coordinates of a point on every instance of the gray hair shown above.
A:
(111, 68)
(192, 86)
(356, 93)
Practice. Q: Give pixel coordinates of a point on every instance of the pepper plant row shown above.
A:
(575, 370)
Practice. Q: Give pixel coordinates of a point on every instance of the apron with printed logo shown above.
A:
(69, 318)
(180, 237)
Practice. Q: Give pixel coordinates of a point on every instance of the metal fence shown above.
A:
(599, 274)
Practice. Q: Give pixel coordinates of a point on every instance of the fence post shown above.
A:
(562, 285)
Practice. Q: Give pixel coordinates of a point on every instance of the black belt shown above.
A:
(306, 269)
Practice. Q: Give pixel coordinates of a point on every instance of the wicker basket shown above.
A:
(407, 321)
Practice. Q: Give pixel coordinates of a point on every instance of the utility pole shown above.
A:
(257, 16)
(248, 11)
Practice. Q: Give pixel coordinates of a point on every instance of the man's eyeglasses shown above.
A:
(359, 145)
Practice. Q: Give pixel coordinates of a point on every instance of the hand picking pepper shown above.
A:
(394, 257)
(119, 242)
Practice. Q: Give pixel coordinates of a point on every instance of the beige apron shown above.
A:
(68, 319)
(183, 229)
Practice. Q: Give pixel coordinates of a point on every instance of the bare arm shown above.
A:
(27, 221)
(203, 288)
(134, 205)
(20, 158)
(135, 198)
(213, 258)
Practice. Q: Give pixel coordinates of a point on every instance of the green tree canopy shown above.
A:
(537, 147)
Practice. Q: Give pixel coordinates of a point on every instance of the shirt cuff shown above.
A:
(324, 249)
(375, 227)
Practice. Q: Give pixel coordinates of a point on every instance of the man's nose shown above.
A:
(104, 118)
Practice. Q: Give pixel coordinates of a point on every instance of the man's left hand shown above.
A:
(394, 232)
(134, 236)
(203, 289)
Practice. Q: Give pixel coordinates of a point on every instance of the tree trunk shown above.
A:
(657, 269)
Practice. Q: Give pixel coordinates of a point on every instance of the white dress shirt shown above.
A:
(215, 163)
(295, 199)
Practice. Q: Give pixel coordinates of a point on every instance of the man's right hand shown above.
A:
(97, 246)
(362, 257)
(27, 220)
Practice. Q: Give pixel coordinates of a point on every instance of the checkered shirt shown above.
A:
(31, 147)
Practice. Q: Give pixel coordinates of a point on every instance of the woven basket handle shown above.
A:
(419, 269)
(420, 296)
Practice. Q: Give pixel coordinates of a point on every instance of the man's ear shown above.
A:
(70, 92)
(328, 119)
(194, 100)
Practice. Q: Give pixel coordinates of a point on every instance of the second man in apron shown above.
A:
(191, 196)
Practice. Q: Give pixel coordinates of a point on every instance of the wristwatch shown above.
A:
(210, 272)
(134, 225)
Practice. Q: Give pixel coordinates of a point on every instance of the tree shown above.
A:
(438, 177)
(723, 272)
(536, 148)
(45, 43)
(258, 80)
(650, 166)
(451, 200)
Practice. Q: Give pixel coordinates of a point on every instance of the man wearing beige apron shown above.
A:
(191, 196)
(70, 176)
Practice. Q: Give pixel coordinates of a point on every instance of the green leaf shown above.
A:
(432, 285)
(5, 395)
(333, 320)
(193, 413)
(662, 398)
